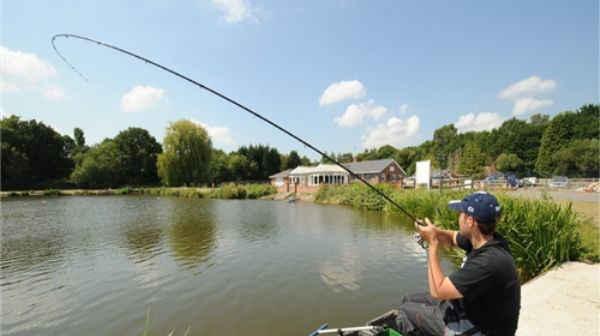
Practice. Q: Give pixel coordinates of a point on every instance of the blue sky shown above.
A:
(346, 75)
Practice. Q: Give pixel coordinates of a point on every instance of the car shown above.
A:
(530, 181)
(558, 182)
(512, 180)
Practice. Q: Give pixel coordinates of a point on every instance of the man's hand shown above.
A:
(428, 232)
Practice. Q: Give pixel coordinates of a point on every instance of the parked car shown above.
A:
(494, 179)
(530, 181)
(558, 182)
(512, 180)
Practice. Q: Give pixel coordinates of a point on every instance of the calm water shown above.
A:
(98, 265)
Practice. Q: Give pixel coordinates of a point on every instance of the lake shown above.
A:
(99, 265)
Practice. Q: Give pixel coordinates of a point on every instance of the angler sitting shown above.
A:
(483, 296)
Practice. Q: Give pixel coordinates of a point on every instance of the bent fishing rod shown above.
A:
(224, 97)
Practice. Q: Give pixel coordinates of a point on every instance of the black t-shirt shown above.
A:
(489, 285)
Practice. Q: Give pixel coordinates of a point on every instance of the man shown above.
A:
(483, 296)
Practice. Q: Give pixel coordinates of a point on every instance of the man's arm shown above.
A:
(447, 238)
(440, 287)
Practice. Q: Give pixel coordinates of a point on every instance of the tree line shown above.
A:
(567, 144)
(34, 155)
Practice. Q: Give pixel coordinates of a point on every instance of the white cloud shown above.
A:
(235, 10)
(341, 91)
(395, 132)
(24, 66)
(54, 93)
(531, 85)
(141, 98)
(218, 134)
(480, 122)
(528, 104)
(356, 113)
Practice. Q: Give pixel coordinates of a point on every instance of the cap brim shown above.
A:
(456, 205)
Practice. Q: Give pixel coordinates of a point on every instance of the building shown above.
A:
(303, 178)
(378, 171)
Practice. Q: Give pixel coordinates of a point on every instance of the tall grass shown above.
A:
(541, 233)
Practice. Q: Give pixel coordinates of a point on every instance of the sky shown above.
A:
(345, 75)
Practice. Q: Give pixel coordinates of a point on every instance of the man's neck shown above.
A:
(478, 240)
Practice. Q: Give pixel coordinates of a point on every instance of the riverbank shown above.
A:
(562, 301)
(227, 191)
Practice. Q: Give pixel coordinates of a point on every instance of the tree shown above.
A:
(444, 144)
(138, 151)
(79, 137)
(293, 160)
(219, 171)
(581, 158)
(345, 157)
(238, 166)
(39, 152)
(472, 160)
(263, 161)
(99, 166)
(539, 119)
(520, 138)
(508, 162)
(305, 161)
(186, 157)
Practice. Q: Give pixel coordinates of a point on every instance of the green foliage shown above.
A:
(79, 137)
(99, 166)
(565, 128)
(32, 153)
(236, 191)
(541, 233)
(444, 144)
(293, 160)
(263, 161)
(51, 192)
(254, 191)
(519, 138)
(239, 166)
(508, 162)
(579, 158)
(472, 160)
(186, 156)
(137, 153)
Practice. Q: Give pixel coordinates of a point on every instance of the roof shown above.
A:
(320, 169)
(281, 174)
(371, 167)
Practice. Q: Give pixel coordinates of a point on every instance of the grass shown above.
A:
(541, 233)
(226, 191)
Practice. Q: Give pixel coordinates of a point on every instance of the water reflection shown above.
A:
(143, 239)
(258, 220)
(192, 235)
(344, 271)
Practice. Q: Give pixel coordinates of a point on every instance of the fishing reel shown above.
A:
(421, 241)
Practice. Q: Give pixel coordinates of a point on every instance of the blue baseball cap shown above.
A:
(481, 205)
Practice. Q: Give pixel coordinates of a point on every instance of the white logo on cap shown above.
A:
(470, 209)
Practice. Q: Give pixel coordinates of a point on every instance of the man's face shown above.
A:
(465, 223)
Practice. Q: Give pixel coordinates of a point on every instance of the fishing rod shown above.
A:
(224, 97)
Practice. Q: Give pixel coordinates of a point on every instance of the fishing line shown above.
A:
(224, 97)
